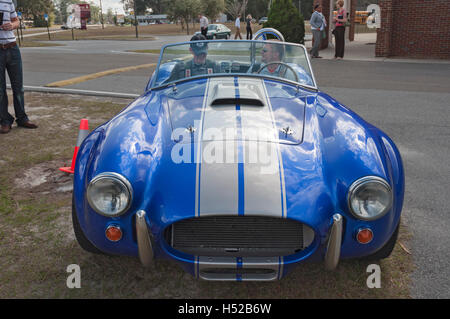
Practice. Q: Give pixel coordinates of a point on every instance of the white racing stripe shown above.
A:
(263, 187)
(238, 172)
(230, 179)
(217, 163)
(280, 158)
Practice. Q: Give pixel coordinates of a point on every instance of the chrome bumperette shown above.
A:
(145, 248)
(239, 269)
(334, 243)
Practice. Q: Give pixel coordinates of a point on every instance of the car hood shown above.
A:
(227, 108)
(307, 181)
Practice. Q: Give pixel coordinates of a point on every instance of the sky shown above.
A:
(113, 4)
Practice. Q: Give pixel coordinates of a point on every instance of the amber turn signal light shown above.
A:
(364, 236)
(113, 233)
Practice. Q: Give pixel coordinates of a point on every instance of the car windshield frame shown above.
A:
(252, 44)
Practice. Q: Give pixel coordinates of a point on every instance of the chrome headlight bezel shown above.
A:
(362, 183)
(115, 178)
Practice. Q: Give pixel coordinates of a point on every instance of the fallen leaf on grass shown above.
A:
(404, 248)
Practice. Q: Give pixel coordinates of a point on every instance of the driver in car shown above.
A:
(199, 64)
(271, 57)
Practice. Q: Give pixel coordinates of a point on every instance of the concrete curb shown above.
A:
(77, 92)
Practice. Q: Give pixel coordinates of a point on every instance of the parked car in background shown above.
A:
(263, 20)
(217, 31)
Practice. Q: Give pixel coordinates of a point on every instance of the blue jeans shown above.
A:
(11, 61)
(317, 36)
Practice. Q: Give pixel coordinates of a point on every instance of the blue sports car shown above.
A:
(235, 165)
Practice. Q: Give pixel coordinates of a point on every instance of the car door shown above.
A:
(219, 32)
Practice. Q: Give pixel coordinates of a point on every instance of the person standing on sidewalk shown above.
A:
(318, 24)
(203, 24)
(249, 27)
(237, 24)
(339, 32)
(11, 61)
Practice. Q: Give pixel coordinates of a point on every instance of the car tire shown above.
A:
(387, 249)
(79, 235)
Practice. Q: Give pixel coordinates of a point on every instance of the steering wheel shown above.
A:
(263, 32)
(287, 66)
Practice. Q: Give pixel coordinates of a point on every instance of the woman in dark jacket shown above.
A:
(249, 27)
(339, 32)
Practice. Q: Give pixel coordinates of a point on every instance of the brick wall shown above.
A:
(326, 12)
(414, 28)
(352, 9)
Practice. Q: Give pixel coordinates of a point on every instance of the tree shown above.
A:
(61, 12)
(184, 11)
(212, 8)
(159, 6)
(141, 6)
(284, 17)
(109, 18)
(306, 8)
(257, 8)
(95, 13)
(235, 7)
(36, 10)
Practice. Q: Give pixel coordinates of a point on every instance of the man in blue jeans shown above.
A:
(11, 61)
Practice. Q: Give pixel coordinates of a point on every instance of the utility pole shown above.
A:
(101, 15)
(135, 18)
(46, 22)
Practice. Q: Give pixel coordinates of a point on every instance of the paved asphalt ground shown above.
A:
(409, 100)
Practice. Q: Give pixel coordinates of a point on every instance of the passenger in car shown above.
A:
(199, 64)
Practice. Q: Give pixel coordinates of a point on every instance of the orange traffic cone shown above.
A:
(82, 134)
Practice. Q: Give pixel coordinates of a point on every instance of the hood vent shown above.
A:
(240, 101)
(244, 94)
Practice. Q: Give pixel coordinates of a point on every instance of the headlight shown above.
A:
(109, 194)
(369, 198)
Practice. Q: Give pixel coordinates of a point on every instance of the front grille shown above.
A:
(239, 236)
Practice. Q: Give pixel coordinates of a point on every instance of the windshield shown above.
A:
(275, 59)
(212, 27)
